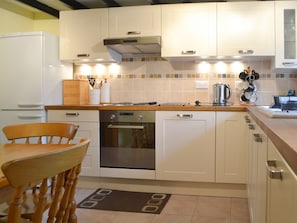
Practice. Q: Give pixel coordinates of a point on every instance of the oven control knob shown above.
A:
(140, 117)
(112, 117)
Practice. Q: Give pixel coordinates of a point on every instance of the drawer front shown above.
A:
(73, 115)
(88, 130)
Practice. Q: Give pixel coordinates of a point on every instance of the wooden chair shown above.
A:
(45, 132)
(37, 133)
(65, 165)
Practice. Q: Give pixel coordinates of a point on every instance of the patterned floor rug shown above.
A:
(117, 200)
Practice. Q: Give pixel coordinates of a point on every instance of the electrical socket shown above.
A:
(201, 84)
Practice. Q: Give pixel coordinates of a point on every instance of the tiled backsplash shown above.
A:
(143, 79)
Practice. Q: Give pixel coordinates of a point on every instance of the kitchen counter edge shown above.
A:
(148, 107)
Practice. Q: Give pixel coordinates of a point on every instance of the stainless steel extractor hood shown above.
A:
(135, 45)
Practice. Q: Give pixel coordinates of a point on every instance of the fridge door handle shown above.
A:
(29, 116)
(33, 105)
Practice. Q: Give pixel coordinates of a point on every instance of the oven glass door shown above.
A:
(127, 145)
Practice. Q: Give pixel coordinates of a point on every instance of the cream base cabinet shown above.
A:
(82, 33)
(88, 122)
(286, 34)
(231, 148)
(282, 189)
(134, 21)
(185, 146)
(246, 29)
(257, 183)
(189, 30)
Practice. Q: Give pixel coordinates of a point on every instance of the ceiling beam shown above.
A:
(42, 7)
(155, 2)
(111, 3)
(74, 4)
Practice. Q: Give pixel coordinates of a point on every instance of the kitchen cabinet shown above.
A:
(134, 21)
(245, 29)
(257, 176)
(185, 146)
(82, 33)
(286, 36)
(231, 148)
(88, 122)
(282, 188)
(189, 30)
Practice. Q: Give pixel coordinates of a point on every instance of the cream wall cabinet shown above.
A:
(231, 148)
(282, 189)
(82, 33)
(189, 30)
(185, 146)
(88, 122)
(245, 29)
(286, 34)
(257, 176)
(134, 21)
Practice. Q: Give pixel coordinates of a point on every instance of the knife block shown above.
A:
(75, 92)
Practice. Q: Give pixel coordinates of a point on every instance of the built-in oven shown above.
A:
(127, 140)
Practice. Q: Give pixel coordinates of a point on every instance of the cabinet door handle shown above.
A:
(245, 52)
(257, 138)
(72, 114)
(289, 63)
(133, 33)
(274, 174)
(251, 126)
(188, 52)
(83, 55)
(185, 115)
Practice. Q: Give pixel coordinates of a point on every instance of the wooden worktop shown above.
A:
(148, 107)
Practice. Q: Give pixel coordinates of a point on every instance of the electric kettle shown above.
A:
(221, 93)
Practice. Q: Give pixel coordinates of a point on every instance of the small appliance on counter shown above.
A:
(285, 102)
(221, 93)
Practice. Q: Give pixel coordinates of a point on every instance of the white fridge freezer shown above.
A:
(31, 76)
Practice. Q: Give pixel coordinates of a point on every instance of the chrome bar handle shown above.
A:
(111, 126)
(83, 55)
(274, 174)
(257, 138)
(188, 52)
(289, 63)
(133, 33)
(245, 52)
(247, 119)
(185, 115)
(72, 114)
(251, 126)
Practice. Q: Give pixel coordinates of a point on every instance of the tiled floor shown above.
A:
(179, 209)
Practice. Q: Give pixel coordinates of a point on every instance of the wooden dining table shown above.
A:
(10, 152)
